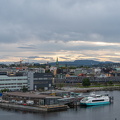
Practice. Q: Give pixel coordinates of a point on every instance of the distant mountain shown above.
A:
(80, 63)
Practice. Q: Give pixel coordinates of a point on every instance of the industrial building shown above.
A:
(37, 81)
(38, 99)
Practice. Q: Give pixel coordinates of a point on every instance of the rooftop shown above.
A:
(30, 94)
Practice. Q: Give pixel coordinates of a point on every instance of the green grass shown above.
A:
(92, 86)
(99, 86)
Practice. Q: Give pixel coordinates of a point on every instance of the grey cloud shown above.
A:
(59, 20)
(39, 22)
(46, 57)
(4, 57)
(32, 57)
(64, 58)
(26, 47)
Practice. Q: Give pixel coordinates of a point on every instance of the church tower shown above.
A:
(57, 63)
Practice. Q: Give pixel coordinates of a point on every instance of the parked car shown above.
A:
(20, 102)
(13, 101)
(29, 102)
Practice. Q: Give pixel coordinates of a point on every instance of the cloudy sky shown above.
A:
(42, 30)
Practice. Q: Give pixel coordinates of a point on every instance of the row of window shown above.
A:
(98, 100)
(41, 78)
(14, 84)
(11, 79)
(11, 87)
(38, 82)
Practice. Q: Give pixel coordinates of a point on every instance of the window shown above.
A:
(97, 100)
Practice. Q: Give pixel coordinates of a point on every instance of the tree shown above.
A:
(60, 85)
(86, 82)
(5, 90)
(78, 84)
(47, 71)
(24, 89)
(110, 82)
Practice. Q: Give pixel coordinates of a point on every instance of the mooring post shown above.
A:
(76, 105)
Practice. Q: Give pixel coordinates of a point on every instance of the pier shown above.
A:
(47, 108)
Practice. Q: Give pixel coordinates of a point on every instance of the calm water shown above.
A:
(106, 112)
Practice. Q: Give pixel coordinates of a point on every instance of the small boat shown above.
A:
(94, 99)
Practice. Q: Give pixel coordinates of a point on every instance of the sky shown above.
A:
(42, 30)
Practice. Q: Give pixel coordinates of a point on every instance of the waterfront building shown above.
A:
(37, 81)
(38, 99)
(13, 83)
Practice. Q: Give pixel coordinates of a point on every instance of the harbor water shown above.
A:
(104, 112)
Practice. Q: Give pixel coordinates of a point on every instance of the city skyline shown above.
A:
(41, 31)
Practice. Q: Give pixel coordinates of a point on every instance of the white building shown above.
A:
(13, 83)
(97, 70)
(40, 70)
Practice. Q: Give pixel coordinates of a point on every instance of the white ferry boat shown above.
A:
(95, 100)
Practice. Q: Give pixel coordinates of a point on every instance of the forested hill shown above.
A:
(81, 63)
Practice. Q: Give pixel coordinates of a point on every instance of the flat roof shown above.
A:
(55, 91)
(29, 94)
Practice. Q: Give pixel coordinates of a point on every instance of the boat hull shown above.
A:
(97, 103)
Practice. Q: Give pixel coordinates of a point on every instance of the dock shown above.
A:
(46, 108)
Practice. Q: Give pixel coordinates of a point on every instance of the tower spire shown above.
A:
(57, 64)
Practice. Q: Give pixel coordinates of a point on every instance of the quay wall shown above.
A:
(32, 108)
